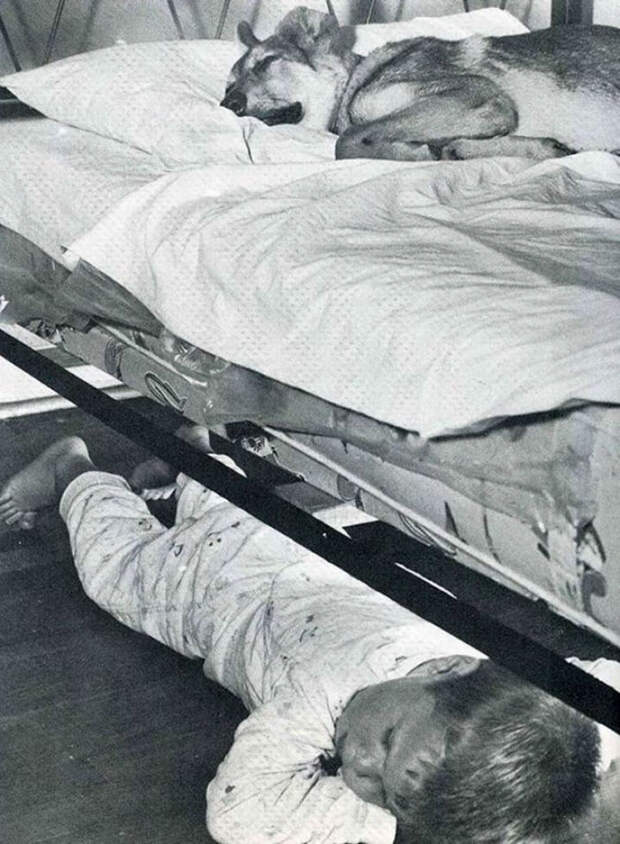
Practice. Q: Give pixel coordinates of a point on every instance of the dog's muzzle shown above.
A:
(237, 102)
(288, 114)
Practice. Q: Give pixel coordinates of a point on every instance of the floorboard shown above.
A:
(105, 735)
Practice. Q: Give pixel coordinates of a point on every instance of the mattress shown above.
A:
(530, 503)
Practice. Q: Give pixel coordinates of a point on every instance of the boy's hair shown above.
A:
(519, 764)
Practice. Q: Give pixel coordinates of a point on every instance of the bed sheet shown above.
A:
(356, 254)
(61, 180)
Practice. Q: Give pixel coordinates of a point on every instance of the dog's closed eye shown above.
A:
(263, 64)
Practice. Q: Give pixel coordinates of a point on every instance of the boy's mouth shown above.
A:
(368, 788)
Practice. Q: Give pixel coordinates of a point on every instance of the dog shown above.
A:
(540, 95)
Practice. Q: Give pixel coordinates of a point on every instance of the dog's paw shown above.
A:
(457, 150)
(553, 148)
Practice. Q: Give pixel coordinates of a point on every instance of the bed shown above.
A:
(236, 274)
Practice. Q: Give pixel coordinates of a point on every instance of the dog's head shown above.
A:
(296, 75)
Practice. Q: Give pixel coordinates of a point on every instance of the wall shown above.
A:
(89, 24)
(607, 12)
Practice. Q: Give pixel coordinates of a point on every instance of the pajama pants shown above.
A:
(195, 586)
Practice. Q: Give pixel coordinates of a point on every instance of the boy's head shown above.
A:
(462, 750)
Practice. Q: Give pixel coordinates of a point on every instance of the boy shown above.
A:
(366, 721)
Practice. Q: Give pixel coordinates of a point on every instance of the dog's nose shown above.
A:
(236, 101)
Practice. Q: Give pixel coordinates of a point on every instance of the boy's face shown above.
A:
(389, 739)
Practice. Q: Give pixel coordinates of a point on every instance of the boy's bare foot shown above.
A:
(154, 473)
(41, 483)
(151, 474)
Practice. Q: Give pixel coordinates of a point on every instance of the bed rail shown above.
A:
(562, 12)
(572, 11)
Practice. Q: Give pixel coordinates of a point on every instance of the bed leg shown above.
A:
(9, 45)
(571, 11)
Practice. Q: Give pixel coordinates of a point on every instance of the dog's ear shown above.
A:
(311, 31)
(246, 35)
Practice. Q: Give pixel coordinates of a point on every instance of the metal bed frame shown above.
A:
(382, 560)
(385, 568)
(562, 12)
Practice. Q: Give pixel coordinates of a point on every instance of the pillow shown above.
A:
(451, 28)
(141, 94)
(164, 99)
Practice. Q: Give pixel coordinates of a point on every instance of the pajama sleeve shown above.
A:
(270, 788)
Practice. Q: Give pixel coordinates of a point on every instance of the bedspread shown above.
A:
(436, 297)
(61, 180)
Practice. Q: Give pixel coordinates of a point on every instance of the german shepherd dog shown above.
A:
(541, 94)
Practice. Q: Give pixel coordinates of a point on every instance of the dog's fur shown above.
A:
(540, 94)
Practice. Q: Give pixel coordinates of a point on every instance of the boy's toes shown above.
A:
(152, 473)
(7, 511)
(27, 521)
(17, 520)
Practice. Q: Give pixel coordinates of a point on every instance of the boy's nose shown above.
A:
(236, 101)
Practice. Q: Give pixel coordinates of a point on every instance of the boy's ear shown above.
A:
(447, 667)
(310, 30)
(246, 35)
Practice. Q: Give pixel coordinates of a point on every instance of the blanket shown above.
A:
(437, 297)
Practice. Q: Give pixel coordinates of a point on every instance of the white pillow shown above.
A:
(450, 28)
(163, 98)
(160, 97)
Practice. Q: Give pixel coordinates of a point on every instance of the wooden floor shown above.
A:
(105, 735)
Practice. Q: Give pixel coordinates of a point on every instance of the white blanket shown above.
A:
(436, 297)
(122, 117)
(61, 180)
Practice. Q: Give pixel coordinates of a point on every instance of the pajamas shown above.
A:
(291, 635)
(196, 587)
